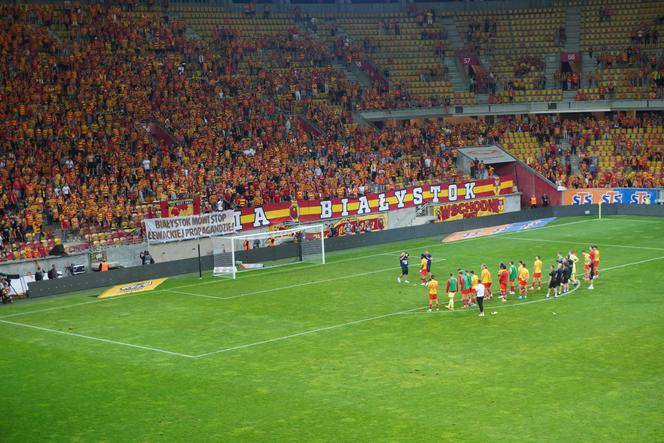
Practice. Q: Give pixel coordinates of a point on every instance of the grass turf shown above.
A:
(343, 352)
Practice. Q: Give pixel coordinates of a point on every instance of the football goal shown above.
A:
(246, 252)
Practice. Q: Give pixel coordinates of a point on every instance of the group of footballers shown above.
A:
(561, 274)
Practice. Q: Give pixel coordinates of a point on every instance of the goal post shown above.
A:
(245, 252)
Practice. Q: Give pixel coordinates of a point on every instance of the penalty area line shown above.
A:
(98, 339)
(300, 334)
(394, 314)
(297, 285)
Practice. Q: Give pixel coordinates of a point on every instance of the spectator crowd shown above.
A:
(79, 87)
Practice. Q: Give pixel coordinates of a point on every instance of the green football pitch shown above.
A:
(342, 352)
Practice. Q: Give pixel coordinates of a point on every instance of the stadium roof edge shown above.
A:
(516, 108)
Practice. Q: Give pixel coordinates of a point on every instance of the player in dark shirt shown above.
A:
(553, 282)
(403, 262)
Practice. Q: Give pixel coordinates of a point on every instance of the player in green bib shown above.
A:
(451, 289)
(468, 288)
(512, 276)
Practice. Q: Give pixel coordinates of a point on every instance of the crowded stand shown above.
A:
(262, 117)
(497, 37)
(78, 157)
(625, 151)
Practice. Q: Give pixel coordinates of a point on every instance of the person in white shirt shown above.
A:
(479, 294)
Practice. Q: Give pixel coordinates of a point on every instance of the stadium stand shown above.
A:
(621, 40)
(78, 155)
(591, 152)
(498, 36)
(409, 49)
(258, 111)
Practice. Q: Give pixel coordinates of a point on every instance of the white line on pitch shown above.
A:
(631, 264)
(507, 237)
(103, 340)
(261, 274)
(331, 262)
(297, 285)
(430, 246)
(341, 325)
(299, 334)
(567, 293)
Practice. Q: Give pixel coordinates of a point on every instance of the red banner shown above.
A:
(470, 209)
(313, 210)
(179, 208)
(359, 225)
(410, 197)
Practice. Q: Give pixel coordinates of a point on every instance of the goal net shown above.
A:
(246, 252)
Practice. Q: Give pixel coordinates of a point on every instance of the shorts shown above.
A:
(596, 263)
(473, 291)
(433, 296)
(537, 275)
(423, 272)
(503, 287)
(465, 291)
(554, 284)
(512, 280)
(523, 282)
(404, 271)
(487, 285)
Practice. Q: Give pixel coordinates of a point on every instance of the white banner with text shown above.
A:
(163, 230)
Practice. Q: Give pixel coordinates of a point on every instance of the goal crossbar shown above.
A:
(246, 252)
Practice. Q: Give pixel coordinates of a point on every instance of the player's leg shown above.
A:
(437, 304)
(480, 304)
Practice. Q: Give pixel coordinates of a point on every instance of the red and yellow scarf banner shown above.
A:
(408, 197)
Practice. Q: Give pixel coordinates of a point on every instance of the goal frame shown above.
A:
(230, 268)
